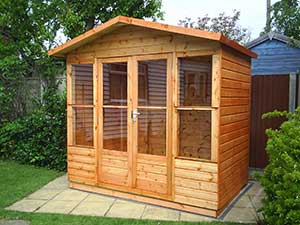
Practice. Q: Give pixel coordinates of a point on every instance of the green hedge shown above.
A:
(281, 178)
(40, 137)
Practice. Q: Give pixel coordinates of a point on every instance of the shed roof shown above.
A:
(62, 50)
(272, 36)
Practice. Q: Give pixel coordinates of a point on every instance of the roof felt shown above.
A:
(64, 49)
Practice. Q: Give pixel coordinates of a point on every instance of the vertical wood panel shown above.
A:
(175, 100)
(169, 145)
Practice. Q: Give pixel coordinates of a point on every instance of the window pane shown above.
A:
(195, 81)
(82, 84)
(83, 126)
(152, 132)
(195, 134)
(115, 129)
(152, 79)
(115, 83)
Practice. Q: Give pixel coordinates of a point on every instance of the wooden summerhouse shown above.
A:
(158, 114)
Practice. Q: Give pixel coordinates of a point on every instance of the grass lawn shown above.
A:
(17, 181)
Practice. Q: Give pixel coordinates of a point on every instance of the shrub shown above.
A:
(281, 178)
(38, 138)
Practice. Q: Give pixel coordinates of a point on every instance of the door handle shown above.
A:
(135, 114)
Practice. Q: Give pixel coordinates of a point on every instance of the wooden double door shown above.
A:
(134, 102)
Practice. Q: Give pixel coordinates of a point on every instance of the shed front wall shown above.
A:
(190, 182)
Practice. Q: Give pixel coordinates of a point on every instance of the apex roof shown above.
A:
(62, 50)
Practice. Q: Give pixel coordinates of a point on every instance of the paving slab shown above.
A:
(92, 208)
(71, 195)
(27, 205)
(126, 209)
(99, 198)
(249, 201)
(241, 215)
(59, 183)
(44, 194)
(58, 206)
(14, 222)
(160, 213)
(194, 217)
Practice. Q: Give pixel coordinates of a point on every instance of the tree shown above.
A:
(286, 18)
(227, 25)
(28, 29)
(80, 16)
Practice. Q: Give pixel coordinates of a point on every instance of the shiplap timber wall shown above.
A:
(234, 124)
(129, 40)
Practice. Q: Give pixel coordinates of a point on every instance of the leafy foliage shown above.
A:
(27, 30)
(40, 137)
(80, 16)
(286, 18)
(227, 25)
(281, 178)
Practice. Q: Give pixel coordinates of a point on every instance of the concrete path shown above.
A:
(56, 197)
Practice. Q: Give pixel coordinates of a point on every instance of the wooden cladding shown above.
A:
(234, 124)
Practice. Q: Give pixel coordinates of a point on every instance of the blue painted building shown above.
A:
(276, 56)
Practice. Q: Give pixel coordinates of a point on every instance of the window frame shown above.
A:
(71, 105)
(213, 108)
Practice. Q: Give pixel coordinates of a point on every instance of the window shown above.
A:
(82, 105)
(194, 112)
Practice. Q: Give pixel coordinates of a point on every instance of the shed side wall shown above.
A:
(234, 124)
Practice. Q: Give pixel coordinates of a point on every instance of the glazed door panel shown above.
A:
(113, 145)
(151, 162)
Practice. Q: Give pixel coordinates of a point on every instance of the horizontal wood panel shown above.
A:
(196, 202)
(228, 65)
(227, 83)
(157, 187)
(81, 180)
(196, 165)
(226, 119)
(204, 195)
(234, 101)
(195, 185)
(204, 176)
(81, 159)
(81, 151)
(234, 110)
(81, 166)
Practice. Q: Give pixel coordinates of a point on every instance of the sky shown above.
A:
(253, 12)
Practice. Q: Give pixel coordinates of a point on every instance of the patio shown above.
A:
(56, 197)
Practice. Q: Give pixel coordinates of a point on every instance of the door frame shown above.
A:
(132, 128)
